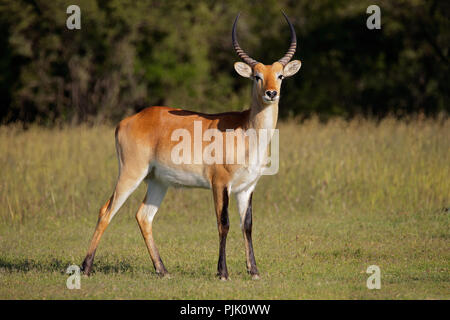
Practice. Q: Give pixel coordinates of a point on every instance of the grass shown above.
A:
(347, 195)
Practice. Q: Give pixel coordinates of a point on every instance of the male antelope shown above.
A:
(144, 144)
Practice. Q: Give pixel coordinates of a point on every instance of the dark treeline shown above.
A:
(133, 54)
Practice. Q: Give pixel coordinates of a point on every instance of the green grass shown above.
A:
(348, 195)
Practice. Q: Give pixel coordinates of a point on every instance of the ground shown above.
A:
(348, 195)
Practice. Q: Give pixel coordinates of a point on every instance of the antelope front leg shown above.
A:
(221, 204)
(244, 203)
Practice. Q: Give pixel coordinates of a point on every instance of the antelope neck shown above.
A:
(262, 116)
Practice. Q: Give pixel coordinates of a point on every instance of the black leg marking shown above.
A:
(224, 215)
(163, 271)
(86, 266)
(248, 217)
(248, 233)
(223, 231)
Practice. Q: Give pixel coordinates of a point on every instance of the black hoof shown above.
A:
(223, 276)
(86, 268)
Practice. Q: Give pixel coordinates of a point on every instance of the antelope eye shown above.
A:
(257, 78)
(281, 77)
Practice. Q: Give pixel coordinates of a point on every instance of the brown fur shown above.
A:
(145, 138)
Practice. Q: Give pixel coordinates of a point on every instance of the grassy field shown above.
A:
(348, 195)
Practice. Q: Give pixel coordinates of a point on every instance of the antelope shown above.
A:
(144, 144)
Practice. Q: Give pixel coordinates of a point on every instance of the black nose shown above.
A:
(271, 94)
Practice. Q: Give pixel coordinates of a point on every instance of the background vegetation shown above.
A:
(363, 188)
(349, 195)
(133, 54)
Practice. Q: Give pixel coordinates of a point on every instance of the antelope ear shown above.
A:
(292, 68)
(243, 69)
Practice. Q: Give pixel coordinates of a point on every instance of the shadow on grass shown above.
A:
(26, 265)
(60, 265)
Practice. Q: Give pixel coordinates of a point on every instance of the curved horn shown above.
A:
(241, 53)
(290, 53)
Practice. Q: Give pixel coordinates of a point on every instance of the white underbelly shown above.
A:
(178, 177)
(242, 179)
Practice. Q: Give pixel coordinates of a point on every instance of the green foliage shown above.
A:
(132, 54)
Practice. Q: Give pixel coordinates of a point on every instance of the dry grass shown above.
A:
(348, 195)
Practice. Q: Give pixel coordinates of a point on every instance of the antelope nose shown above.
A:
(271, 94)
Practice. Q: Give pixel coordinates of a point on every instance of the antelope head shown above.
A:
(267, 78)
